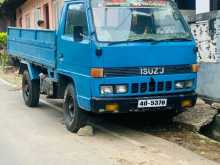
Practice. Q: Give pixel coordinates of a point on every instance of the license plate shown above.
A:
(152, 103)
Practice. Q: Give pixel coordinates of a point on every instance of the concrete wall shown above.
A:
(206, 30)
(208, 81)
(28, 14)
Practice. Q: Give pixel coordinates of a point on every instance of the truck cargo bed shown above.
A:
(38, 46)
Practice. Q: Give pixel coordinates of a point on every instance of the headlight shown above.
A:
(121, 89)
(106, 89)
(179, 85)
(189, 84)
(184, 84)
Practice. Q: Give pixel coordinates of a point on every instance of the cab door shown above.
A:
(73, 55)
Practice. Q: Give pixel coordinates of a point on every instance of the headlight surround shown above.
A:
(179, 84)
(114, 89)
(189, 84)
(107, 89)
(119, 89)
(184, 84)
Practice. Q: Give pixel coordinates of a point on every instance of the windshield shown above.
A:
(130, 20)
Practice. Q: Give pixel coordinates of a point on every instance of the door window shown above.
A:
(76, 17)
(46, 16)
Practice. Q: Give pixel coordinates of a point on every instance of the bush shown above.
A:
(3, 52)
(3, 38)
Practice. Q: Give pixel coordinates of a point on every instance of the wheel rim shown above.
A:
(70, 107)
(26, 89)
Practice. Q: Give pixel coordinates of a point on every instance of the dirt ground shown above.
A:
(174, 133)
(193, 141)
(11, 75)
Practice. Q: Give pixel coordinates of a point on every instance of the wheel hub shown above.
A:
(70, 107)
(26, 89)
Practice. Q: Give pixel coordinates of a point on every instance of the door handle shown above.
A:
(60, 55)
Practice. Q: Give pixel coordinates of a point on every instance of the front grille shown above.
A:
(168, 85)
(144, 87)
(160, 86)
(151, 86)
(136, 71)
(135, 88)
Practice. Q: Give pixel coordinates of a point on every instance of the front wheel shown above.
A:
(74, 117)
(30, 90)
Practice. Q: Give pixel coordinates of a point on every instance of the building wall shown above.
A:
(31, 11)
(28, 14)
(4, 23)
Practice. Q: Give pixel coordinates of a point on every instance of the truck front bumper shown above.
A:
(130, 104)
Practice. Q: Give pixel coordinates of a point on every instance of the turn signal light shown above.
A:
(97, 72)
(112, 107)
(195, 67)
(186, 104)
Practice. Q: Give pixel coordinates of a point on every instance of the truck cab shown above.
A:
(112, 56)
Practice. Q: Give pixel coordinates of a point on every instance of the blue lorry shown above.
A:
(109, 56)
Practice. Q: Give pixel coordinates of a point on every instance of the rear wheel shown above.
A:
(30, 90)
(74, 117)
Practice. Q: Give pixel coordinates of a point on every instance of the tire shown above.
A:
(74, 117)
(30, 90)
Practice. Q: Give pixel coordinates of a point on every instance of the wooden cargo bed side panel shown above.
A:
(38, 46)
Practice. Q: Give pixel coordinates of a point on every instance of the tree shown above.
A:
(8, 7)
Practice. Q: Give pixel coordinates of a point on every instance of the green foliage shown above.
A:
(3, 52)
(3, 38)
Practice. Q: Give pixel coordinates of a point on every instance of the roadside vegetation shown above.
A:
(3, 50)
(9, 73)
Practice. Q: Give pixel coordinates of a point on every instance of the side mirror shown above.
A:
(78, 33)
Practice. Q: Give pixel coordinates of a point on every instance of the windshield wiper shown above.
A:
(134, 40)
(117, 42)
(142, 40)
(175, 39)
(151, 40)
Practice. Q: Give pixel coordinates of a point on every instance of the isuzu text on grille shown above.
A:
(152, 71)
